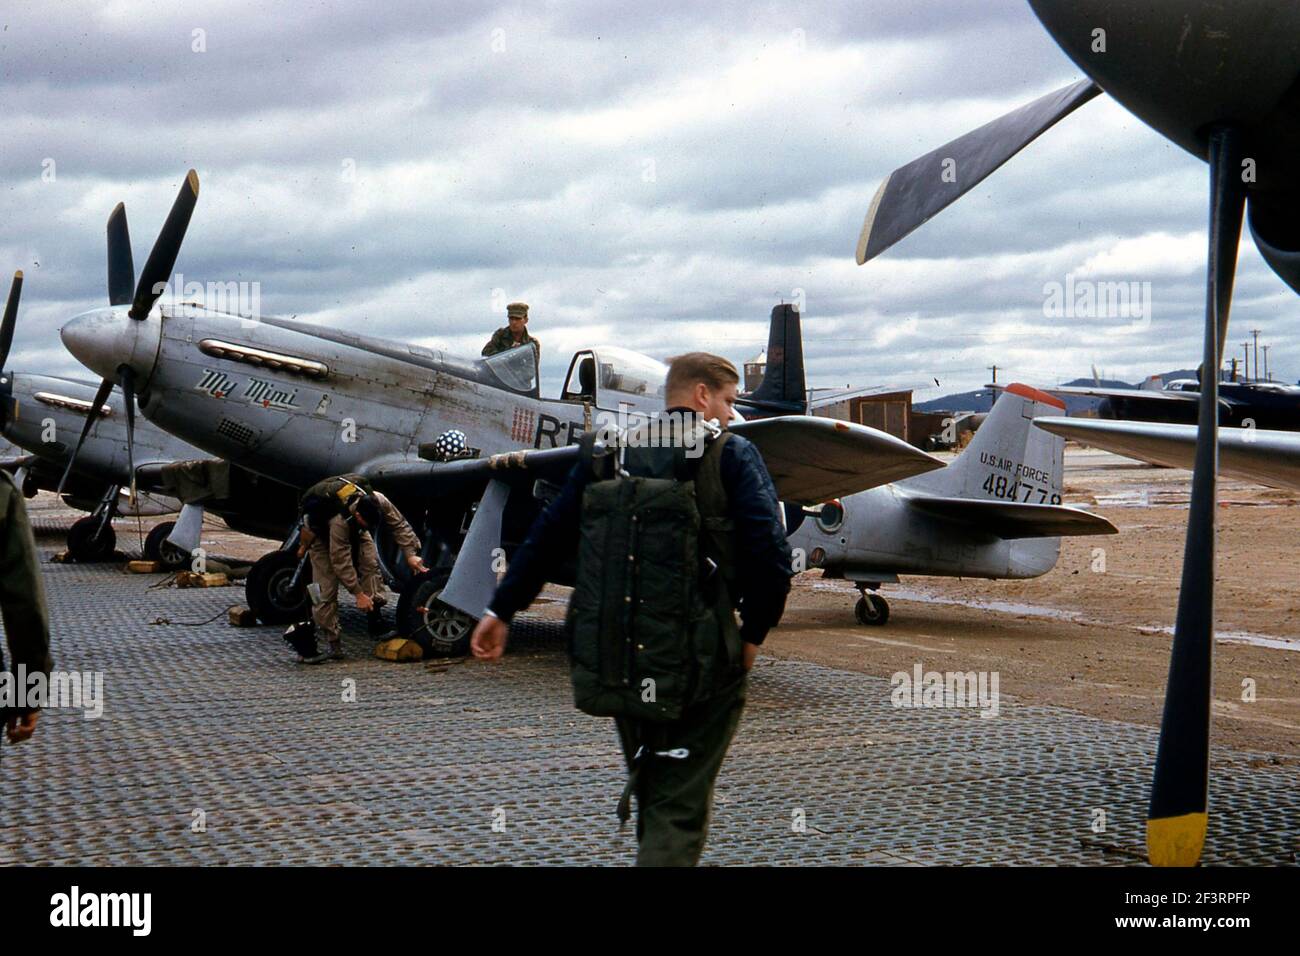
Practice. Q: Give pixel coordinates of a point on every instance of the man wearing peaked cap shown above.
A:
(515, 333)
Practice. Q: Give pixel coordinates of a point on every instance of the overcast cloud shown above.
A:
(652, 175)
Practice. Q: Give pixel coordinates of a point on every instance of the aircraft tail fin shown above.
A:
(783, 390)
(1009, 459)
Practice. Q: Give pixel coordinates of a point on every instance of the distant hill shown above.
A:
(982, 399)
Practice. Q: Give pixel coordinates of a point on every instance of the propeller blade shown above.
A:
(1179, 812)
(911, 194)
(121, 267)
(11, 318)
(128, 396)
(101, 396)
(162, 257)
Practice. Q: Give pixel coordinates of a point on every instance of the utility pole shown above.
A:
(994, 370)
(1255, 333)
(1246, 347)
(1267, 376)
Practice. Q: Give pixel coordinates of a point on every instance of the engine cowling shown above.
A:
(1275, 225)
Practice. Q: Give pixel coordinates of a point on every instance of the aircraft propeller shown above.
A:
(1178, 813)
(141, 294)
(6, 342)
(1179, 809)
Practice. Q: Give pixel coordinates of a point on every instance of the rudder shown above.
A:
(1008, 457)
(782, 390)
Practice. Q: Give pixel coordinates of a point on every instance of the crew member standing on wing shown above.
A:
(745, 563)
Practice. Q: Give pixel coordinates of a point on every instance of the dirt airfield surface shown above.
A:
(1096, 641)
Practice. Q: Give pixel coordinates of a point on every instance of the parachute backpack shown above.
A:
(333, 496)
(650, 623)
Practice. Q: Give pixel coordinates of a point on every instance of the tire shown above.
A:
(872, 610)
(266, 589)
(158, 548)
(85, 545)
(440, 629)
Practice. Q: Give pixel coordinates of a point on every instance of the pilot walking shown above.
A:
(22, 605)
(673, 764)
(338, 516)
(515, 332)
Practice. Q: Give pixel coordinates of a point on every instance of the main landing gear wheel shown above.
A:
(872, 609)
(430, 623)
(268, 590)
(158, 548)
(86, 542)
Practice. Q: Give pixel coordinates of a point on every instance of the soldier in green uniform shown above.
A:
(515, 333)
(22, 604)
(673, 765)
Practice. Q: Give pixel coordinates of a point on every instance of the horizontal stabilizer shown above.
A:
(1142, 394)
(1250, 454)
(1012, 519)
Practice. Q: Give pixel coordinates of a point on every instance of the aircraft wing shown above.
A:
(20, 461)
(1139, 393)
(813, 459)
(1014, 519)
(418, 476)
(1251, 454)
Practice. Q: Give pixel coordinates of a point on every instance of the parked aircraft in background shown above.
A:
(994, 512)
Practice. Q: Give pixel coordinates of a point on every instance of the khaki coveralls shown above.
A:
(349, 558)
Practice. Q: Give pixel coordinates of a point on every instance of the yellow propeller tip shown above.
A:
(193, 178)
(1176, 841)
(18, 274)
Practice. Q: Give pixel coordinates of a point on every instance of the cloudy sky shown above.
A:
(657, 176)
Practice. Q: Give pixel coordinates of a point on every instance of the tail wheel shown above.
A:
(86, 542)
(872, 609)
(438, 628)
(158, 548)
(269, 592)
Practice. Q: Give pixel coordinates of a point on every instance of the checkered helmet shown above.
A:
(451, 444)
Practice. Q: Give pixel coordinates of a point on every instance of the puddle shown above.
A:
(1239, 637)
(1034, 610)
(1004, 607)
(1145, 498)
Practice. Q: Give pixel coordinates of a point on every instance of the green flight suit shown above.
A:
(22, 594)
(673, 766)
(502, 340)
(674, 775)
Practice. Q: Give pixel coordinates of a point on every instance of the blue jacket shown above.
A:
(763, 559)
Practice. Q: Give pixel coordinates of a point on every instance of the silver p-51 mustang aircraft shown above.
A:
(44, 414)
(297, 402)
